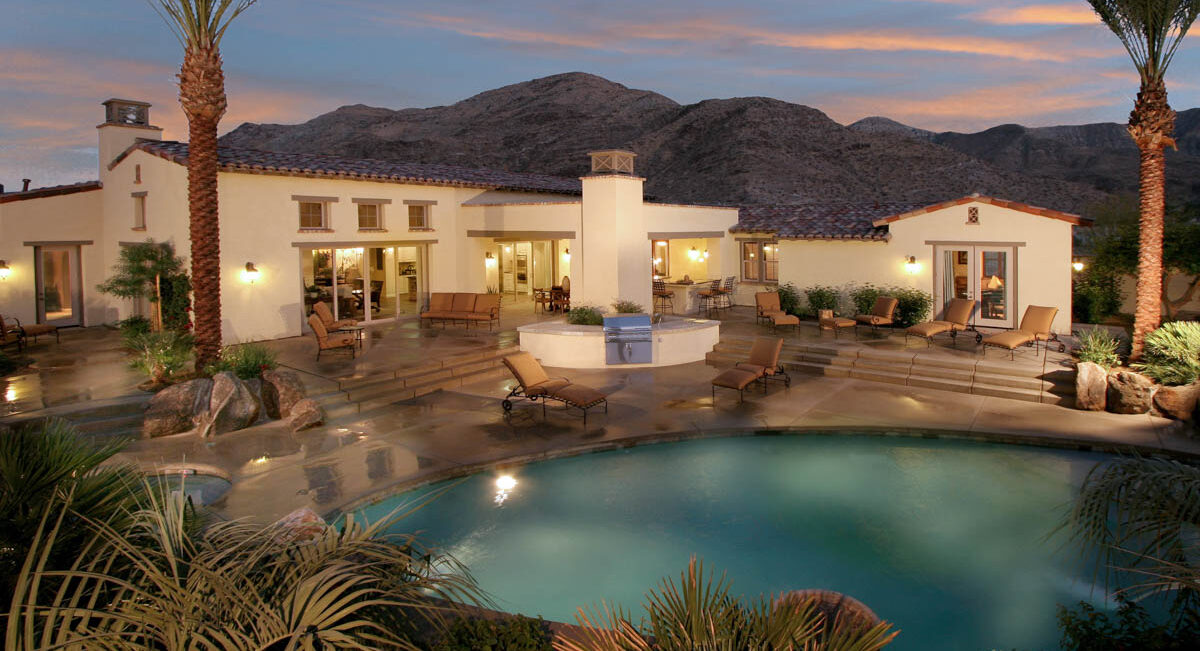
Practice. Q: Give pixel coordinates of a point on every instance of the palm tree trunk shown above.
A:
(202, 94)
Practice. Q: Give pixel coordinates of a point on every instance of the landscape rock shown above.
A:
(232, 405)
(301, 525)
(1091, 386)
(1130, 393)
(1180, 403)
(255, 385)
(281, 390)
(305, 414)
(173, 410)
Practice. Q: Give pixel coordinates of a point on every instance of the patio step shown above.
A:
(1025, 379)
(111, 417)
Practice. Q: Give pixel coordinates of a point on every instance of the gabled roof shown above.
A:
(252, 161)
(52, 191)
(820, 221)
(1003, 203)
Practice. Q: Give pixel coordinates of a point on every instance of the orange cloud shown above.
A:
(1075, 13)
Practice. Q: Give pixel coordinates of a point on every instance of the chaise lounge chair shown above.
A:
(1035, 328)
(24, 332)
(956, 319)
(327, 341)
(322, 311)
(11, 335)
(533, 384)
(763, 365)
(882, 313)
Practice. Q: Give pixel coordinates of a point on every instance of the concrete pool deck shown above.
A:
(459, 430)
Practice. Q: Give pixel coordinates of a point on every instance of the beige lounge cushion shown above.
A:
(487, 303)
(463, 302)
(836, 322)
(756, 369)
(1010, 340)
(436, 314)
(479, 316)
(440, 302)
(930, 328)
(885, 306)
(36, 329)
(526, 369)
(767, 303)
(958, 311)
(872, 319)
(549, 386)
(318, 327)
(785, 319)
(578, 395)
(1038, 320)
(735, 378)
(765, 351)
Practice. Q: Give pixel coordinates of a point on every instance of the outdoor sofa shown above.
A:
(533, 384)
(956, 319)
(761, 366)
(1035, 328)
(462, 306)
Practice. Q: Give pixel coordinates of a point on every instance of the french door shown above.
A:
(59, 285)
(984, 274)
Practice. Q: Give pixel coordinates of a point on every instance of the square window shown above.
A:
(312, 214)
(418, 217)
(369, 217)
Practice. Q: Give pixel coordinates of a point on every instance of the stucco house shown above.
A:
(374, 238)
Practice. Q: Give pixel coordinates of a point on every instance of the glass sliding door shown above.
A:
(349, 281)
(59, 285)
(995, 286)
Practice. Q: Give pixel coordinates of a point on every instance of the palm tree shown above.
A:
(199, 26)
(1151, 31)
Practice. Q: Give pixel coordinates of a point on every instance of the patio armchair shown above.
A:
(534, 384)
(11, 335)
(34, 330)
(882, 313)
(761, 366)
(767, 305)
(323, 312)
(330, 341)
(1035, 327)
(956, 319)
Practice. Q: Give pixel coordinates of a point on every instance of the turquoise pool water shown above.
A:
(948, 540)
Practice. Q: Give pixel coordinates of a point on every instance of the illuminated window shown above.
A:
(370, 217)
(660, 257)
(760, 261)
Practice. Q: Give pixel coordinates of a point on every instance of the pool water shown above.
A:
(204, 490)
(948, 540)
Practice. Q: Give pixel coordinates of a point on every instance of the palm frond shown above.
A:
(1150, 30)
(199, 23)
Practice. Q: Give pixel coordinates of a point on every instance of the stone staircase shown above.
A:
(1039, 381)
(377, 389)
(118, 417)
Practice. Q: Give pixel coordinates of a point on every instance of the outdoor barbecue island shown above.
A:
(673, 340)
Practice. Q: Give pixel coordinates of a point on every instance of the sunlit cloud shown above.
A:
(1074, 13)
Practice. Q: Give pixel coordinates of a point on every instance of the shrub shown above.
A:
(518, 633)
(1095, 295)
(176, 302)
(821, 297)
(247, 361)
(1086, 629)
(789, 298)
(133, 327)
(1172, 354)
(622, 306)
(1096, 345)
(864, 297)
(585, 315)
(159, 354)
(913, 306)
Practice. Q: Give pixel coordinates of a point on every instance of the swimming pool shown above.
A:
(946, 539)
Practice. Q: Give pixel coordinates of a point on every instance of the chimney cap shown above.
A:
(612, 161)
(129, 102)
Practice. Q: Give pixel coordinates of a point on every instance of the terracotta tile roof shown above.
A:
(1003, 203)
(52, 191)
(820, 221)
(252, 161)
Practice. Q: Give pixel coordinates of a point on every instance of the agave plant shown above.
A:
(155, 585)
(697, 614)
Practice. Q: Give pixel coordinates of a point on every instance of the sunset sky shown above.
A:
(960, 65)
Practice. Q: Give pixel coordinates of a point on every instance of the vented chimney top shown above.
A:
(126, 112)
(612, 161)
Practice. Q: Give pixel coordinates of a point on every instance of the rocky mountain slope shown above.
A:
(722, 151)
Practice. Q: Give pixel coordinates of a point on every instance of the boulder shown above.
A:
(281, 390)
(305, 414)
(255, 386)
(173, 410)
(1180, 403)
(1091, 386)
(301, 525)
(1130, 393)
(232, 405)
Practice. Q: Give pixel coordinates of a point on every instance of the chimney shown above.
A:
(125, 121)
(1, 188)
(25, 184)
(612, 161)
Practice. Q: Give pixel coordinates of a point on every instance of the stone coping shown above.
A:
(668, 324)
(1053, 441)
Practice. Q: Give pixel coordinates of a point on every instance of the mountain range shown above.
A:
(748, 150)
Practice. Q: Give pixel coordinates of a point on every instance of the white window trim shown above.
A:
(761, 261)
(379, 204)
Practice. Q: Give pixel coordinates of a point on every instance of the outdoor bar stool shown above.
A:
(725, 295)
(663, 298)
(708, 298)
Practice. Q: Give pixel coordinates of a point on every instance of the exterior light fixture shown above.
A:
(508, 249)
(5, 271)
(489, 259)
(567, 255)
(694, 254)
(705, 254)
(911, 265)
(250, 273)
(1077, 266)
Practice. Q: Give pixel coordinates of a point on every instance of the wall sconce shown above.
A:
(694, 254)
(250, 273)
(566, 256)
(705, 254)
(1076, 265)
(5, 271)
(911, 265)
(489, 259)
(508, 249)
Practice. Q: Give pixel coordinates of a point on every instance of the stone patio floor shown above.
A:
(451, 433)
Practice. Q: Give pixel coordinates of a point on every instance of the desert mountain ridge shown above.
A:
(732, 151)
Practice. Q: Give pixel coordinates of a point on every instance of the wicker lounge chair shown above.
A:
(323, 312)
(882, 313)
(762, 365)
(533, 384)
(327, 341)
(1035, 328)
(956, 319)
